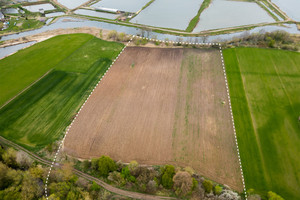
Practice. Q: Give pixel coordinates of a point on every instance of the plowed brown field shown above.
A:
(161, 106)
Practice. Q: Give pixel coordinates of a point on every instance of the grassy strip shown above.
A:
(39, 116)
(148, 4)
(267, 10)
(193, 23)
(274, 9)
(265, 105)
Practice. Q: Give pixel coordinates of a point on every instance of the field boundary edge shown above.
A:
(156, 40)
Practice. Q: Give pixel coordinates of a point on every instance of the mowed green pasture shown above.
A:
(265, 93)
(39, 116)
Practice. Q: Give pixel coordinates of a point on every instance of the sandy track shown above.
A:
(167, 108)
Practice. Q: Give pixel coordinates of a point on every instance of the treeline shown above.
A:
(276, 39)
(161, 180)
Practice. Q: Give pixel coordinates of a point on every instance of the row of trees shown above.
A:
(276, 39)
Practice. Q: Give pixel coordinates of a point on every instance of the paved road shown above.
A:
(106, 186)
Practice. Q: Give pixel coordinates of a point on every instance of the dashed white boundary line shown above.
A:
(172, 42)
(68, 128)
(232, 119)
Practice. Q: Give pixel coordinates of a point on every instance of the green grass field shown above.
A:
(39, 116)
(265, 92)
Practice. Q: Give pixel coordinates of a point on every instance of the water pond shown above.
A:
(96, 14)
(227, 13)
(290, 7)
(68, 22)
(12, 49)
(35, 8)
(169, 13)
(71, 4)
(124, 5)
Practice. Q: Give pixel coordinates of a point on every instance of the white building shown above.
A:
(107, 9)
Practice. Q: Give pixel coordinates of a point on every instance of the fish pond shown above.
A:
(169, 13)
(124, 5)
(227, 13)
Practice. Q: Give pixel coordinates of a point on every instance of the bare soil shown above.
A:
(161, 106)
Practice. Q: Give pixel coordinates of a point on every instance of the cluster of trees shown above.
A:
(269, 196)
(21, 178)
(163, 179)
(276, 39)
(121, 37)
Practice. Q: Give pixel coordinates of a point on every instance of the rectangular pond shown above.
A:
(228, 13)
(290, 7)
(96, 14)
(175, 14)
(36, 8)
(124, 5)
(71, 4)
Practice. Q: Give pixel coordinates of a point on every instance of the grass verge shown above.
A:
(264, 87)
(193, 23)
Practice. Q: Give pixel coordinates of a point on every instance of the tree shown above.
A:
(183, 183)
(23, 160)
(95, 187)
(228, 194)
(127, 175)
(95, 164)
(86, 165)
(274, 196)
(112, 35)
(117, 178)
(30, 188)
(1, 152)
(133, 165)
(167, 176)
(37, 172)
(4, 180)
(151, 187)
(106, 165)
(208, 186)
(9, 158)
(218, 190)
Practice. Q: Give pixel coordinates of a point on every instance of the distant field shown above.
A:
(265, 93)
(38, 116)
(161, 106)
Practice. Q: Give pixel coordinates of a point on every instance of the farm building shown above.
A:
(112, 10)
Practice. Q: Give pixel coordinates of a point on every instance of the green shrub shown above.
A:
(195, 184)
(106, 165)
(95, 187)
(167, 176)
(95, 164)
(126, 174)
(133, 165)
(274, 196)
(218, 190)
(208, 186)
(86, 165)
